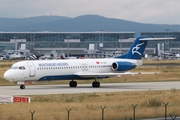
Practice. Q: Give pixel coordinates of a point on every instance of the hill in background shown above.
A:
(85, 23)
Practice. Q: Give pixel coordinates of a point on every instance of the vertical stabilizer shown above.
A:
(137, 49)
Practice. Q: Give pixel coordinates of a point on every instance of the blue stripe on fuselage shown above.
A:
(67, 77)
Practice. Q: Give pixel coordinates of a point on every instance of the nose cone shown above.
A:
(7, 75)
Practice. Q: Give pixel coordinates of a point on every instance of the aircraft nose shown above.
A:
(7, 76)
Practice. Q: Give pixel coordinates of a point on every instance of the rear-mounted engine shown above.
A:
(122, 66)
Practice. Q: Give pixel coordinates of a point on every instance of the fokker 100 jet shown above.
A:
(79, 69)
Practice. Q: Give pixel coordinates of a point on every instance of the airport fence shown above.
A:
(104, 113)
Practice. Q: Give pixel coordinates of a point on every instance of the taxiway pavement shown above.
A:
(87, 88)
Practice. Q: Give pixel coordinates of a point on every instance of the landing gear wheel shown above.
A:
(72, 83)
(22, 86)
(95, 84)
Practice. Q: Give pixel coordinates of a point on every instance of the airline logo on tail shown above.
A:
(136, 48)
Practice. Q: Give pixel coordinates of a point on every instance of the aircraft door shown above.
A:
(32, 70)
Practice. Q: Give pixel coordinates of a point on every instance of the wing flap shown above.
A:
(146, 73)
(89, 74)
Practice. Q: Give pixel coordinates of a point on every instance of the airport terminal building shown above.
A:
(67, 42)
(79, 42)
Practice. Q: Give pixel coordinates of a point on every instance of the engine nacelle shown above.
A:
(122, 66)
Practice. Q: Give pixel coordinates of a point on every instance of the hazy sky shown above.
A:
(144, 11)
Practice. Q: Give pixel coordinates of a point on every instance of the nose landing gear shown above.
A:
(22, 86)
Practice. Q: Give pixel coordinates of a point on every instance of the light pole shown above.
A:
(167, 30)
(67, 38)
(15, 41)
(100, 41)
(68, 47)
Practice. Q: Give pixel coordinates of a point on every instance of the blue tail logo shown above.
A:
(136, 48)
(136, 51)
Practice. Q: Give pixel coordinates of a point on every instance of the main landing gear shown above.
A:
(22, 86)
(94, 84)
(72, 83)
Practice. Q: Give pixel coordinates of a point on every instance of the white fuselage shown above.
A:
(61, 69)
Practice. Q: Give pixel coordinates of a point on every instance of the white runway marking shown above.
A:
(87, 88)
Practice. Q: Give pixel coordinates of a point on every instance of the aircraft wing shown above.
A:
(146, 73)
(91, 74)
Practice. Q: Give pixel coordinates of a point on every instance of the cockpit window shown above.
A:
(14, 67)
(21, 68)
(18, 67)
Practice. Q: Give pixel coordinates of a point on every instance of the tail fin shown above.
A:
(137, 49)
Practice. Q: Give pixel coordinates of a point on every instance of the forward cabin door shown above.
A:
(32, 70)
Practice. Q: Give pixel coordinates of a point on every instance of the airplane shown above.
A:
(171, 55)
(79, 69)
(16, 55)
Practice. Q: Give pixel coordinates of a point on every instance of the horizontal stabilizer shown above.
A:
(149, 39)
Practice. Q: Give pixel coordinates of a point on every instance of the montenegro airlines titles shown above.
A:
(79, 69)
